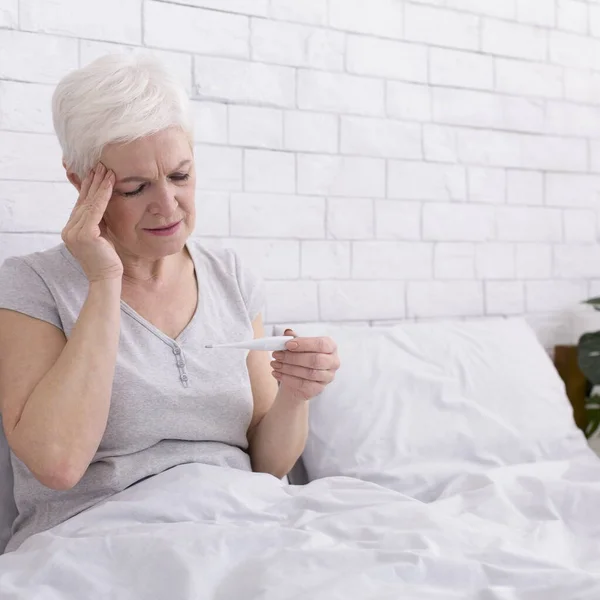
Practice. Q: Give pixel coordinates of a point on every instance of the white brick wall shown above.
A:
(376, 160)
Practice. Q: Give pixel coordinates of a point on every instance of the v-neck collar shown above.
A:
(173, 342)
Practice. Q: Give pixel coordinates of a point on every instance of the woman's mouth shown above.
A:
(166, 230)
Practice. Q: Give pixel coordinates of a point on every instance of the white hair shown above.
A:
(116, 98)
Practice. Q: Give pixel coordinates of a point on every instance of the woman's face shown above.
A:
(151, 213)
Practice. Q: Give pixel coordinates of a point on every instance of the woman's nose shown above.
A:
(164, 202)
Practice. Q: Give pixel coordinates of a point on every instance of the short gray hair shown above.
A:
(116, 98)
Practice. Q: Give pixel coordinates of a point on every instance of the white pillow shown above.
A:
(8, 509)
(415, 405)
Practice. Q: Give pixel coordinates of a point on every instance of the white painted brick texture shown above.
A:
(375, 160)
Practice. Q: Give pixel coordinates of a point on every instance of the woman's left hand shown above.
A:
(306, 366)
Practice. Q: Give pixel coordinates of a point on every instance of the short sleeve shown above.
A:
(252, 287)
(23, 290)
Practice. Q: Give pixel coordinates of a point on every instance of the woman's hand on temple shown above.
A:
(306, 368)
(85, 233)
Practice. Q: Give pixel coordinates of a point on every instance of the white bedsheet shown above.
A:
(522, 532)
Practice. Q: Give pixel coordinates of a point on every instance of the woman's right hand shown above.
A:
(85, 233)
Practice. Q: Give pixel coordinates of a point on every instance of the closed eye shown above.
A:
(140, 189)
(135, 192)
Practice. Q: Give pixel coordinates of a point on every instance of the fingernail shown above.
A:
(278, 354)
(291, 345)
(276, 365)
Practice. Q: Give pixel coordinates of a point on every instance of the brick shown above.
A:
(504, 297)
(466, 107)
(36, 57)
(524, 187)
(178, 63)
(273, 259)
(273, 215)
(9, 14)
(568, 119)
(297, 45)
(494, 261)
(458, 222)
(26, 107)
(461, 69)
(486, 185)
(554, 295)
(533, 261)
(291, 300)
(341, 176)
(441, 27)
(595, 20)
(513, 39)
(212, 213)
(198, 30)
(325, 260)
(399, 220)
(440, 143)
(269, 171)
(524, 114)
(525, 224)
(572, 50)
(255, 126)
(258, 8)
(244, 82)
(529, 79)
(349, 218)
(573, 16)
(408, 101)
(347, 300)
(580, 225)
(506, 9)
(392, 260)
(30, 157)
(218, 167)
(35, 206)
(518, 150)
(537, 12)
(380, 137)
(18, 244)
(310, 132)
(595, 156)
(379, 17)
(424, 181)
(444, 299)
(116, 20)
(575, 261)
(340, 93)
(307, 11)
(210, 122)
(386, 58)
(572, 190)
(594, 289)
(582, 86)
(454, 260)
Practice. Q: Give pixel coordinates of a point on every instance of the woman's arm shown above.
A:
(55, 394)
(279, 427)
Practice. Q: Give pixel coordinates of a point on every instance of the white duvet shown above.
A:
(529, 531)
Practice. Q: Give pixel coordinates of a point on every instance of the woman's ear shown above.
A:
(72, 177)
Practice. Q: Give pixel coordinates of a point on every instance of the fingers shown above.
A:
(310, 360)
(309, 374)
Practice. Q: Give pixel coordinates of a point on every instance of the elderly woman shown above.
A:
(104, 375)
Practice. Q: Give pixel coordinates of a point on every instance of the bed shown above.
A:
(443, 462)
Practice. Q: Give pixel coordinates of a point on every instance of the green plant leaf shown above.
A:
(588, 356)
(594, 302)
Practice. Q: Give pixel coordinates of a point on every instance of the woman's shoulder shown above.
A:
(221, 259)
(53, 263)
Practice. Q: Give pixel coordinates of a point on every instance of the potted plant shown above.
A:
(588, 357)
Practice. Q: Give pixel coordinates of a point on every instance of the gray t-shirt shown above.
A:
(173, 400)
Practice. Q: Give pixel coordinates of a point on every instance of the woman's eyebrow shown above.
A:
(140, 178)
